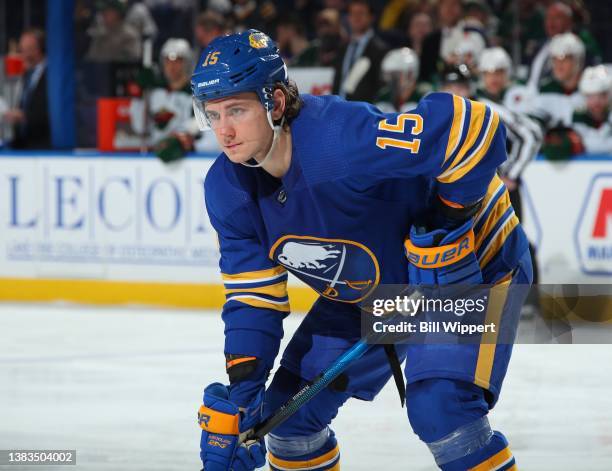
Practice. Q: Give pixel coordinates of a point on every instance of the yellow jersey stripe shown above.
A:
(456, 128)
(486, 350)
(498, 240)
(277, 290)
(317, 462)
(477, 116)
(256, 301)
(257, 276)
(495, 186)
(495, 462)
(497, 212)
(467, 164)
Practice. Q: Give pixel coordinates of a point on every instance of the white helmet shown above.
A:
(471, 43)
(176, 48)
(403, 59)
(494, 58)
(595, 80)
(567, 44)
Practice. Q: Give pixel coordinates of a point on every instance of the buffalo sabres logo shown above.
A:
(258, 40)
(338, 269)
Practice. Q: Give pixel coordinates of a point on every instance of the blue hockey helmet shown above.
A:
(243, 62)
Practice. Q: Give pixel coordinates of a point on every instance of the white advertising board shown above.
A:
(568, 215)
(126, 218)
(117, 218)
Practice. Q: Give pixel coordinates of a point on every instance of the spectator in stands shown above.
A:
(113, 40)
(419, 26)
(559, 19)
(594, 123)
(325, 48)
(291, 39)
(166, 112)
(30, 120)
(357, 72)
(443, 40)
(209, 25)
(401, 91)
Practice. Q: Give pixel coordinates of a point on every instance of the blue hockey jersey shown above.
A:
(357, 181)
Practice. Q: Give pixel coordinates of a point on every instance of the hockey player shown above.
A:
(457, 79)
(594, 123)
(329, 190)
(400, 70)
(559, 96)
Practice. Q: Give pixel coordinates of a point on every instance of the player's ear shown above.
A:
(279, 104)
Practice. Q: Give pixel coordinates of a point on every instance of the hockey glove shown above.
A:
(442, 256)
(222, 421)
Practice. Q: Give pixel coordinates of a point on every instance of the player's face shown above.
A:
(174, 70)
(564, 68)
(597, 104)
(241, 126)
(494, 82)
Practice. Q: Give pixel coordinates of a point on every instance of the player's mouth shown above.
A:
(232, 146)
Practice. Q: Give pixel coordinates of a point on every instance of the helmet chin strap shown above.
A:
(276, 131)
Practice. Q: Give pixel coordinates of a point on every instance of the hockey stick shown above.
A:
(323, 380)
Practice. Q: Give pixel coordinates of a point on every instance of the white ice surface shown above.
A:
(122, 387)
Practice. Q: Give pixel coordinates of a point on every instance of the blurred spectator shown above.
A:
(140, 19)
(521, 29)
(594, 123)
(209, 25)
(559, 19)
(113, 40)
(419, 26)
(30, 120)
(291, 39)
(166, 111)
(357, 74)
(249, 14)
(477, 17)
(325, 48)
(400, 70)
(442, 42)
(457, 79)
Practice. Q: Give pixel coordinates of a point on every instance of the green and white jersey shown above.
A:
(596, 136)
(168, 111)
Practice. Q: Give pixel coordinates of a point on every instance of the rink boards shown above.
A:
(109, 228)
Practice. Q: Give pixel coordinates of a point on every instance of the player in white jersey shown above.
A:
(401, 92)
(594, 123)
(558, 96)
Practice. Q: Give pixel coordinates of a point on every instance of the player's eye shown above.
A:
(236, 111)
(212, 116)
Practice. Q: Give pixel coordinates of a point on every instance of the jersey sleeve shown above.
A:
(256, 300)
(457, 141)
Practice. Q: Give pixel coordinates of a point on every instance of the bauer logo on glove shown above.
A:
(437, 257)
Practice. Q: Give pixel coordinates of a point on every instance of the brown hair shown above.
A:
(293, 102)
